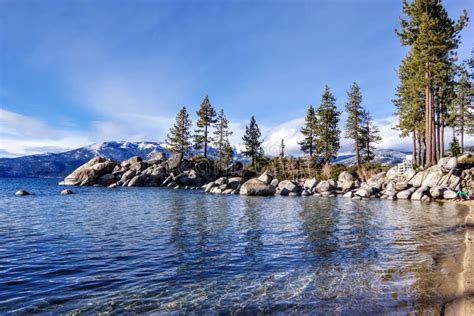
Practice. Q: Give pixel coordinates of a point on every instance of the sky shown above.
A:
(73, 73)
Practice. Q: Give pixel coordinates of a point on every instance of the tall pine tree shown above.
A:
(309, 142)
(282, 149)
(463, 108)
(221, 136)
(432, 37)
(327, 131)
(354, 122)
(252, 141)
(206, 117)
(370, 135)
(179, 137)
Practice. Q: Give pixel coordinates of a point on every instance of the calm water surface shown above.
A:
(153, 250)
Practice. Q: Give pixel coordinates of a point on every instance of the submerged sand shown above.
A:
(463, 304)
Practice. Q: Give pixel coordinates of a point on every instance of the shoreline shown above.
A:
(463, 303)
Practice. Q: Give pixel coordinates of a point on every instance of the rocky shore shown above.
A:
(441, 181)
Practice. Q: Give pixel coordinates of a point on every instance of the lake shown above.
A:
(156, 250)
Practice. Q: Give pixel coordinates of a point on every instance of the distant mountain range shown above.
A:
(61, 164)
(384, 156)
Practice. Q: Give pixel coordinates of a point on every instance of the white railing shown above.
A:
(403, 167)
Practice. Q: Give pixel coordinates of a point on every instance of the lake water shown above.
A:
(154, 250)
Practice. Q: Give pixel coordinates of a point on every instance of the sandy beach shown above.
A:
(464, 302)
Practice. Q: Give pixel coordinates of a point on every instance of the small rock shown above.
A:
(449, 194)
(66, 192)
(22, 193)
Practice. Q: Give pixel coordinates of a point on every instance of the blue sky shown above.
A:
(77, 72)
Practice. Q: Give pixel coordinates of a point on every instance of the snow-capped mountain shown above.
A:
(384, 156)
(61, 164)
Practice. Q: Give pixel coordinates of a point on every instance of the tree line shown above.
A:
(320, 133)
(434, 90)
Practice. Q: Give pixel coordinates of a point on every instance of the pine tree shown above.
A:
(432, 36)
(179, 137)
(454, 148)
(354, 122)
(462, 106)
(370, 135)
(282, 149)
(227, 154)
(309, 142)
(327, 130)
(252, 141)
(206, 117)
(221, 135)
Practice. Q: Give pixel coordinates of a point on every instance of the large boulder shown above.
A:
(266, 177)
(433, 176)
(156, 158)
(286, 187)
(234, 182)
(448, 163)
(90, 170)
(325, 186)
(128, 175)
(377, 180)
(449, 195)
(409, 174)
(406, 194)
(392, 174)
(127, 163)
(346, 181)
(417, 180)
(174, 161)
(137, 181)
(106, 179)
(310, 184)
(437, 192)
(401, 186)
(256, 187)
(420, 192)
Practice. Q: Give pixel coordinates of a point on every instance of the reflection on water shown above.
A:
(156, 250)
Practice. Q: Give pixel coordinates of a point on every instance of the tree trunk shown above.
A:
(462, 129)
(428, 159)
(414, 147)
(433, 129)
(420, 162)
(205, 141)
(438, 132)
(425, 152)
(357, 153)
(441, 137)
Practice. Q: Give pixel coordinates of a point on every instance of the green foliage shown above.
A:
(354, 121)
(454, 148)
(252, 141)
(370, 135)
(206, 117)
(282, 149)
(179, 137)
(327, 130)
(221, 138)
(309, 142)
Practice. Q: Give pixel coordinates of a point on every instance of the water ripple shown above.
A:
(152, 250)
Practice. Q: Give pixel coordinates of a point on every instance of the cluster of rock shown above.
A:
(441, 181)
(174, 172)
